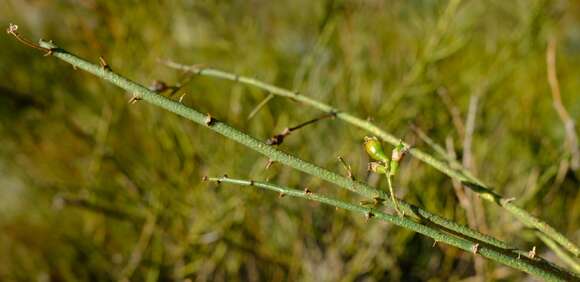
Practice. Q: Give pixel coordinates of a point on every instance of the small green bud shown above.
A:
(375, 149)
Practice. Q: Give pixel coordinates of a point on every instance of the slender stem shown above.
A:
(511, 258)
(566, 258)
(271, 152)
(282, 157)
(470, 181)
(392, 192)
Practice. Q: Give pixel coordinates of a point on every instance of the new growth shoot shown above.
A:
(384, 165)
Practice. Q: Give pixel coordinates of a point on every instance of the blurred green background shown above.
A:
(93, 188)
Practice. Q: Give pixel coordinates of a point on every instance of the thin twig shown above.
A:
(13, 30)
(476, 207)
(279, 138)
(566, 258)
(512, 258)
(140, 248)
(550, 273)
(569, 126)
(470, 181)
(271, 152)
(460, 190)
(453, 111)
(468, 162)
(260, 105)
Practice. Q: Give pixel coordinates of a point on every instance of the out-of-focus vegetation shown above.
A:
(96, 189)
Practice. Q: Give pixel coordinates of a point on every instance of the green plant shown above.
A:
(429, 224)
(460, 173)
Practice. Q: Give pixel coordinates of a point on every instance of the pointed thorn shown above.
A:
(475, 248)
(307, 191)
(532, 253)
(269, 164)
(281, 195)
(509, 200)
(181, 97)
(104, 64)
(205, 178)
(209, 121)
(134, 99)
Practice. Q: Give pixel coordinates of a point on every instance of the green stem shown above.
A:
(509, 258)
(392, 192)
(262, 148)
(470, 181)
(566, 258)
(259, 146)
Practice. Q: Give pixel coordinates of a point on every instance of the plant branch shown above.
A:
(140, 92)
(569, 126)
(473, 183)
(512, 258)
(274, 154)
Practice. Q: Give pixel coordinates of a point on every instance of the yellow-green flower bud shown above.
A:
(375, 149)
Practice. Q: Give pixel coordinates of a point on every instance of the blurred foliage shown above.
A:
(96, 189)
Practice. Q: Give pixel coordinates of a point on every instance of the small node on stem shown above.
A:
(475, 248)
(532, 253)
(181, 97)
(104, 64)
(134, 99)
(307, 191)
(158, 86)
(209, 121)
(252, 182)
(369, 215)
(346, 167)
(281, 195)
(205, 178)
(278, 138)
(509, 200)
(377, 201)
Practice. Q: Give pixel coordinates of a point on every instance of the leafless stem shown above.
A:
(453, 110)
(569, 126)
(279, 138)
